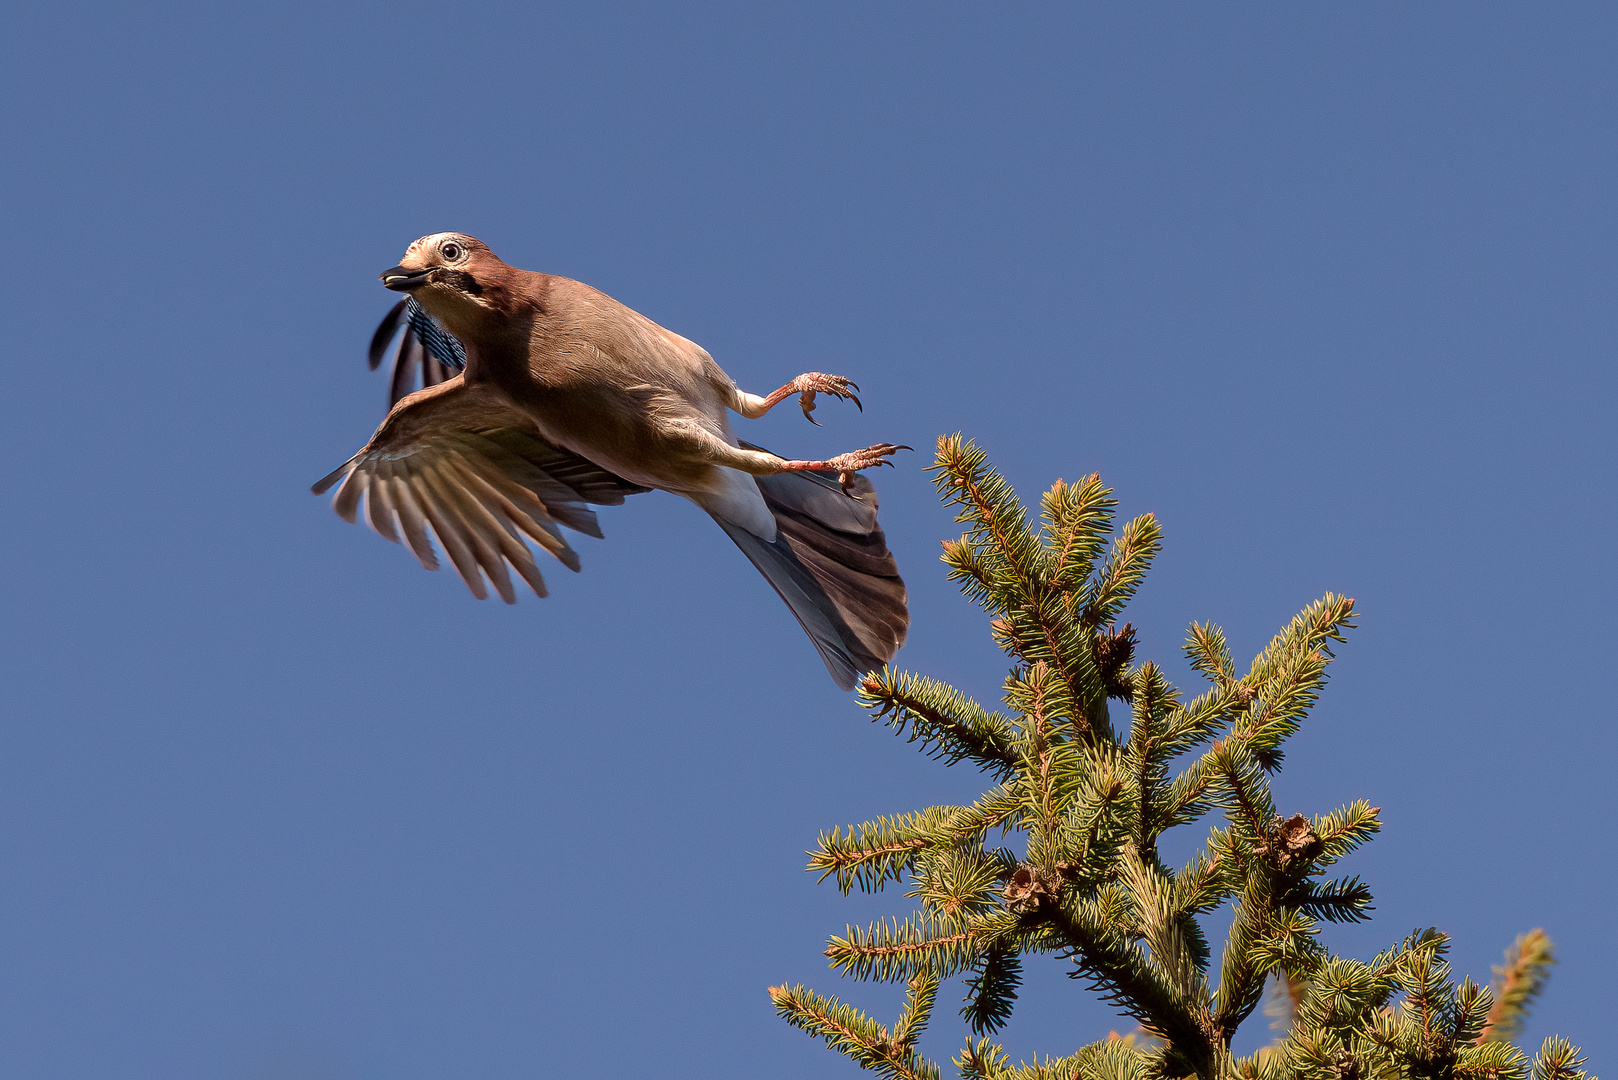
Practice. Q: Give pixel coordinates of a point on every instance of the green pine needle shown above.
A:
(1517, 983)
(1080, 878)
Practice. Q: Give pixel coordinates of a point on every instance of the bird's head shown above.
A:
(454, 276)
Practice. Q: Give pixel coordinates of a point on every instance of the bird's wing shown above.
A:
(460, 462)
(426, 347)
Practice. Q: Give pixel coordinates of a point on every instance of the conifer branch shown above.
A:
(1288, 675)
(1517, 983)
(1007, 547)
(1162, 925)
(1091, 833)
(991, 992)
(1206, 649)
(1338, 993)
(1341, 831)
(970, 570)
(894, 951)
(1312, 628)
(1127, 978)
(1084, 880)
(1251, 953)
(961, 882)
(1201, 886)
(1039, 632)
(1006, 568)
(1078, 519)
(1471, 1011)
(1421, 948)
(1188, 796)
(1348, 900)
(1201, 719)
(870, 855)
(1046, 636)
(1245, 795)
(1114, 1059)
(1286, 943)
(918, 1009)
(1495, 1061)
(852, 1033)
(948, 724)
(981, 1060)
(1031, 692)
(995, 807)
(1558, 1060)
(1148, 765)
(1131, 556)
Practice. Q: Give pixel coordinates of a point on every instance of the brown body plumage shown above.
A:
(570, 398)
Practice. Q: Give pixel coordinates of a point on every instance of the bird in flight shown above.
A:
(563, 398)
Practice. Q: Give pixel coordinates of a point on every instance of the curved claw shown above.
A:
(811, 383)
(869, 458)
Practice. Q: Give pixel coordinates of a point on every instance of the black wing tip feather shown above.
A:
(406, 363)
(324, 484)
(384, 334)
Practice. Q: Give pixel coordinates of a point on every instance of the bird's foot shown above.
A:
(846, 465)
(810, 383)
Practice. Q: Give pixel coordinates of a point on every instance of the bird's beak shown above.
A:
(400, 279)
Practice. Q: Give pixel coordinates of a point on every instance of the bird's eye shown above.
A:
(450, 252)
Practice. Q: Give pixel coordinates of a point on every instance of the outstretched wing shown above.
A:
(460, 463)
(427, 352)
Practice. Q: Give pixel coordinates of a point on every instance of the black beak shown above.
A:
(401, 280)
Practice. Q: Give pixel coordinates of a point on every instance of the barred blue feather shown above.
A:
(425, 348)
(444, 346)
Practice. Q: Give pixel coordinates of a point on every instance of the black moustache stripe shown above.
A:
(460, 279)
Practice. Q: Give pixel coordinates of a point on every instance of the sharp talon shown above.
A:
(856, 402)
(809, 418)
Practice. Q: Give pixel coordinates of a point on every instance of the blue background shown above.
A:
(1329, 289)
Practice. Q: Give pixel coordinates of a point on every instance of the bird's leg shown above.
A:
(846, 465)
(764, 463)
(806, 386)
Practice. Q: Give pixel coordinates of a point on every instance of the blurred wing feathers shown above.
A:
(406, 365)
(385, 332)
(459, 463)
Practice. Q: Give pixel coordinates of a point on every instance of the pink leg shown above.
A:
(846, 465)
(810, 383)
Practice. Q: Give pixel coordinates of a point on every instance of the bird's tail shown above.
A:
(831, 564)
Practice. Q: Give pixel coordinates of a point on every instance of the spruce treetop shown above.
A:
(1060, 855)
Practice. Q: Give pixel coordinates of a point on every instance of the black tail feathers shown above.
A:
(831, 564)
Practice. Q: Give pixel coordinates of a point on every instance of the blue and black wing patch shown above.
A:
(427, 353)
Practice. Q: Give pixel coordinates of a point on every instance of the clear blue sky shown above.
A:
(1328, 288)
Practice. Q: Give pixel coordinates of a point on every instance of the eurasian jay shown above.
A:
(567, 398)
